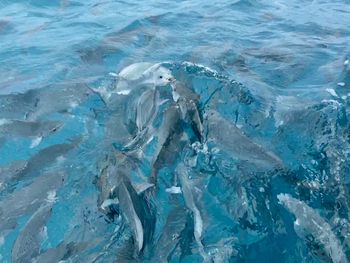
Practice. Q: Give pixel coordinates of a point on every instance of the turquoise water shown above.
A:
(267, 181)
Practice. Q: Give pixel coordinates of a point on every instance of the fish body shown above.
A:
(27, 244)
(309, 222)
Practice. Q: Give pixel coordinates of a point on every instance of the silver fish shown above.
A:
(44, 158)
(28, 129)
(188, 193)
(170, 236)
(9, 104)
(188, 101)
(116, 188)
(29, 198)
(27, 244)
(127, 206)
(308, 221)
(18, 128)
(146, 108)
(228, 137)
(71, 95)
(169, 136)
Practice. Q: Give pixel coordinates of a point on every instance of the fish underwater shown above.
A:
(309, 222)
(174, 175)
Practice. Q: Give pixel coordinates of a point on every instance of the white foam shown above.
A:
(113, 74)
(36, 142)
(51, 196)
(124, 92)
(341, 84)
(332, 92)
(4, 121)
(73, 104)
(174, 190)
(109, 202)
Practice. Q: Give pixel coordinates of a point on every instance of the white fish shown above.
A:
(174, 190)
(308, 221)
(143, 73)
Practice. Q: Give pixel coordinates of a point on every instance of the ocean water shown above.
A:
(245, 157)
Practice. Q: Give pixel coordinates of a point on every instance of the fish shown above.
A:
(228, 137)
(189, 102)
(9, 170)
(70, 97)
(65, 251)
(9, 105)
(190, 201)
(309, 222)
(28, 242)
(37, 103)
(145, 74)
(36, 130)
(147, 108)
(29, 198)
(20, 128)
(131, 216)
(136, 76)
(116, 189)
(170, 140)
(35, 165)
(111, 171)
(171, 234)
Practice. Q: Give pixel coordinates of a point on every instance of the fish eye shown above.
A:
(160, 77)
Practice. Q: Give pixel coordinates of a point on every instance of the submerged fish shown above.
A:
(117, 189)
(171, 234)
(309, 222)
(188, 101)
(28, 243)
(190, 200)
(44, 158)
(71, 95)
(169, 141)
(29, 198)
(36, 130)
(225, 135)
(18, 128)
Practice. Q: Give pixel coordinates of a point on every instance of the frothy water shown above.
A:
(240, 153)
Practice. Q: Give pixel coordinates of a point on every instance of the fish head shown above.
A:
(161, 75)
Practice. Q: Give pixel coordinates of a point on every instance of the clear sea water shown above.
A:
(276, 72)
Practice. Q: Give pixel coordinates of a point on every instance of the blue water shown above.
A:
(269, 180)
